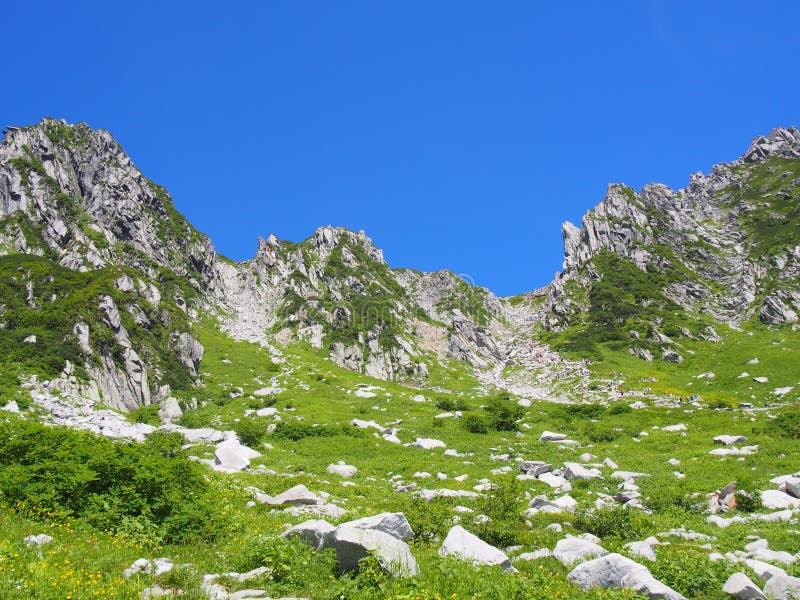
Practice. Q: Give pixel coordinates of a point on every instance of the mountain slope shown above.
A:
(659, 264)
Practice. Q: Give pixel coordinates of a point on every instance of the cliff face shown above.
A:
(726, 246)
(70, 195)
(643, 270)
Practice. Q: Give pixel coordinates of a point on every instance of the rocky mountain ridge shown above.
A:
(649, 267)
(725, 247)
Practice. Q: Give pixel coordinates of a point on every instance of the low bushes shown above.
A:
(150, 489)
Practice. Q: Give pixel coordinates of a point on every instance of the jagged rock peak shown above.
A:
(77, 187)
(779, 142)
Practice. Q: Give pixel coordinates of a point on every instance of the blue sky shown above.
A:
(458, 134)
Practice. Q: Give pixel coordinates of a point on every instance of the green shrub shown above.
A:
(617, 522)
(474, 423)
(451, 404)
(786, 424)
(503, 412)
(145, 414)
(251, 432)
(297, 430)
(503, 504)
(149, 488)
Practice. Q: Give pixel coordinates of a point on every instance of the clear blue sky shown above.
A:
(458, 134)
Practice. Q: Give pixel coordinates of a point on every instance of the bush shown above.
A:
(619, 408)
(572, 412)
(150, 488)
(617, 521)
(503, 412)
(786, 425)
(474, 423)
(297, 430)
(451, 404)
(145, 414)
(504, 506)
(251, 431)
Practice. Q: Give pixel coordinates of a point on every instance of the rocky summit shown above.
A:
(313, 422)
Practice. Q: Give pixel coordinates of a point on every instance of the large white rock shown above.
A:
(573, 549)
(342, 470)
(170, 410)
(395, 524)
(353, 544)
(460, 543)
(740, 587)
(231, 456)
(297, 496)
(791, 486)
(550, 436)
(11, 407)
(776, 500)
(429, 443)
(555, 481)
(729, 440)
(315, 532)
(577, 471)
(644, 549)
(616, 571)
(782, 587)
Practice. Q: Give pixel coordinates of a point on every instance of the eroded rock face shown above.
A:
(702, 228)
(122, 206)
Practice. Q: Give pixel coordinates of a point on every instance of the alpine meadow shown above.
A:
(313, 423)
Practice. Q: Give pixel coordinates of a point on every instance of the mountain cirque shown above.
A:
(313, 421)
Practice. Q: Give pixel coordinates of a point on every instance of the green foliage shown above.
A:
(474, 423)
(251, 431)
(689, 571)
(297, 430)
(503, 504)
(451, 404)
(612, 522)
(571, 412)
(786, 424)
(149, 488)
(44, 299)
(145, 414)
(503, 412)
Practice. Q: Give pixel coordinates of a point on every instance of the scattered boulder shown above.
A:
(791, 486)
(299, 495)
(573, 549)
(616, 571)
(352, 544)
(11, 407)
(777, 500)
(169, 410)
(740, 587)
(342, 470)
(315, 532)
(577, 471)
(644, 549)
(394, 524)
(549, 436)
(729, 440)
(428, 443)
(231, 456)
(534, 468)
(462, 544)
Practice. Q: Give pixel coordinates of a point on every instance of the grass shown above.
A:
(318, 393)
